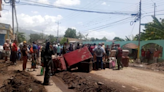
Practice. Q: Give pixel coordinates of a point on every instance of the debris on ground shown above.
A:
(154, 66)
(80, 84)
(22, 82)
(3, 68)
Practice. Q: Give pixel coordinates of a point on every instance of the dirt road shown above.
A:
(126, 80)
(138, 80)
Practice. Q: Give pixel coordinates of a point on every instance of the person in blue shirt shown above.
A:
(34, 56)
(58, 50)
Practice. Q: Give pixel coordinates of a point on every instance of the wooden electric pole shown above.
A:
(154, 9)
(13, 7)
(138, 56)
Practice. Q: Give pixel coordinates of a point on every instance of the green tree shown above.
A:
(63, 40)
(70, 33)
(153, 30)
(104, 39)
(52, 38)
(21, 37)
(80, 35)
(132, 38)
(34, 37)
(93, 39)
(118, 39)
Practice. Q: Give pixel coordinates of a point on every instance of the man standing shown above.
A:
(91, 49)
(58, 50)
(148, 56)
(6, 48)
(143, 53)
(99, 52)
(24, 55)
(46, 55)
(156, 55)
(34, 55)
(119, 57)
(14, 52)
(103, 46)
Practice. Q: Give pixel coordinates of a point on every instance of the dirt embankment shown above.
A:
(158, 67)
(18, 81)
(80, 84)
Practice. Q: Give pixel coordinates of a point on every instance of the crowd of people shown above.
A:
(31, 52)
(146, 55)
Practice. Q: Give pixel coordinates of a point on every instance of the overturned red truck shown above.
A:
(80, 59)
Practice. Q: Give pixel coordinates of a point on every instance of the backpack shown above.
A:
(98, 51)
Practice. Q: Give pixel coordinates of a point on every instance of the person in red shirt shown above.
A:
(143, 55)
(156, 55)
(14, 50)
(91, 49)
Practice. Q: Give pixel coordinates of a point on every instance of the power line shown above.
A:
(108, 25)
(78, 10)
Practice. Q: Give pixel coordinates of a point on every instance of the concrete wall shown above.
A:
(122, 43)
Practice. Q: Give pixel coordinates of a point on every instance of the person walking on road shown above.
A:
(46, 55)
(14, 52)
(99, 52)
(6, 48)
(119, 57)
(24, 56)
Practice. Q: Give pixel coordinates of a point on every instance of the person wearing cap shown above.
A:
(6, 48)
(24, 55)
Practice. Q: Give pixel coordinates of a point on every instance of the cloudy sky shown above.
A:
(95, 25)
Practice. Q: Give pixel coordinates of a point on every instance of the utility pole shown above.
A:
(42, 34)
(57, 31)
(13, 7)
(154, 9)
(139, 16)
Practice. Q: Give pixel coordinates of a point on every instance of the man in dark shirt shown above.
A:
(46, 55)
(119, 57)
(24, 56)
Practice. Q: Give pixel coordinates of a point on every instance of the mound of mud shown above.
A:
(153, 67)
(157, 66)
(22, 82)
(83, 85)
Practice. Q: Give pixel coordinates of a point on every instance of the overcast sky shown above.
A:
(44, 19)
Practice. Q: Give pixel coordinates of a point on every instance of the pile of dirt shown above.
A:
(159, 67)
(82, 84)
(3, 68)
(22, 82)
(156, 66)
